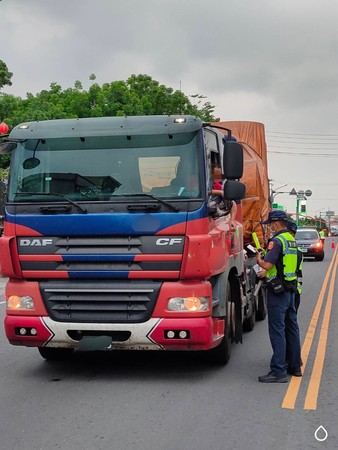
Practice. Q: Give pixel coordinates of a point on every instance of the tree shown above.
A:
(138, 95)
(5, 75)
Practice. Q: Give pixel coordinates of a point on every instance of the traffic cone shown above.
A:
(332, 244)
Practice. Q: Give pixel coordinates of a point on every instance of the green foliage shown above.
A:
(138, 95)
(5, 75)
(313, 222)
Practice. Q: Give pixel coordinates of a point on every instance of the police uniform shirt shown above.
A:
(274, 249)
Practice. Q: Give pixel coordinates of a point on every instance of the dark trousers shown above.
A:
(283, 331)
(297, 301)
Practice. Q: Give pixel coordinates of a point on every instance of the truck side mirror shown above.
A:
(7, 146)
(232, 160)
(234, 190)
(30, 163)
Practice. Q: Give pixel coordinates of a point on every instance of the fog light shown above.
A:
(176, 334)
(34, 331)
(23, 331)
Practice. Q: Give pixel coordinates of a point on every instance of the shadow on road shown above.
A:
(124, 365)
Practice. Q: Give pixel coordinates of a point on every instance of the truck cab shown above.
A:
(109, 241)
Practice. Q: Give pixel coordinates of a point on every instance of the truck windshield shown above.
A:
(104, 168)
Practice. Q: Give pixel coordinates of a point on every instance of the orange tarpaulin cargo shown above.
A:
(256, 205)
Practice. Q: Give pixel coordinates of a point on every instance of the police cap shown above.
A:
(276, 216)
(292, 226)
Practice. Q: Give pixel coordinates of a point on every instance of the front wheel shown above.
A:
(55, 354)
(221, 354)
(261, 304)
(249, 322)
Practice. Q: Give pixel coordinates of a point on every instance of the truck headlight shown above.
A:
(188, 304)
(20, 302)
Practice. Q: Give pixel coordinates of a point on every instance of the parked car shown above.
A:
(309, 242)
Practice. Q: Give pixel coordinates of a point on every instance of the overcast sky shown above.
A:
(269, 61)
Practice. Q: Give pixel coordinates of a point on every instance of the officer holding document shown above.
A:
(279, 270)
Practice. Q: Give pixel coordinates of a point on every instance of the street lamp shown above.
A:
(274, 192)
(319, 217)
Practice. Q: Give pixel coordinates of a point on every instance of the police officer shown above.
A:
(292, 227)
(279, 269)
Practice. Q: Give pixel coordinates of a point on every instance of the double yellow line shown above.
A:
(314, 384)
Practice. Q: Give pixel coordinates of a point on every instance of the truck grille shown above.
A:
(100, 301)
(107, 257)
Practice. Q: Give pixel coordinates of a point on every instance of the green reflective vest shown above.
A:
(299, 271)
(286, 267)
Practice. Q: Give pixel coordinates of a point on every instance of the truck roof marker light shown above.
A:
(23, 127)
(180, 120)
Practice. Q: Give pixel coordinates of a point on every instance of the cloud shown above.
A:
(273, 62)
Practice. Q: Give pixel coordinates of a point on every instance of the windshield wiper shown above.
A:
(158, 199)
(52, 194)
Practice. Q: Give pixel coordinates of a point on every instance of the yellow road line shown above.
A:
(294, 385)
(316, 375)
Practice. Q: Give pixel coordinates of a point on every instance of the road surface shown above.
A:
(173, 401)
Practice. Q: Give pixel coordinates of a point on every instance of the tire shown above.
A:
(221, 354)
(55, 354)
(249, 322)
(261, 308)
(319, 257)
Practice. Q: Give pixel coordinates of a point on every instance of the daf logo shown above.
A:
(169, 241)
(35, 242)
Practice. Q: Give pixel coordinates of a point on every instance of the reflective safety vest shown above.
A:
(299, 271)
(286, 267)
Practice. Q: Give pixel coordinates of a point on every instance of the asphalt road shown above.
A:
(171, 401)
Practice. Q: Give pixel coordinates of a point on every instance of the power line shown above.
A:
(330, 155)
(321, 142)
(302, 134)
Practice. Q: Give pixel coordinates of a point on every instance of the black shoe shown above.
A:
(295, 372)
(272, 378)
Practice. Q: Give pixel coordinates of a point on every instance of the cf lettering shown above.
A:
(168, 241)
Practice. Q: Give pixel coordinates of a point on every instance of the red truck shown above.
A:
(110, 241)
